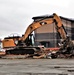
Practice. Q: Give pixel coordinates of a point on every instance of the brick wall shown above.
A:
(48, 33)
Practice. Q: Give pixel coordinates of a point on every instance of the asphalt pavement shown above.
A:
(36, 66)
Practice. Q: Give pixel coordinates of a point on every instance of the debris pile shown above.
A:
(44, 53)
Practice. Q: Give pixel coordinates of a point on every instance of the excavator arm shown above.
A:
(47, 20)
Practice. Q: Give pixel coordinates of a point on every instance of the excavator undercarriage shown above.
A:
(22, 50)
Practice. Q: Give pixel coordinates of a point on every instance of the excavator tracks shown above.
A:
(22, 50)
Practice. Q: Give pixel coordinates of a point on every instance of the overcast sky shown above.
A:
(16, 15)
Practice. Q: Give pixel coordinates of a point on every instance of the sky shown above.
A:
(16, 15)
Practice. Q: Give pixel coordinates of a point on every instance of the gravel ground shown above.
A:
(36, 66)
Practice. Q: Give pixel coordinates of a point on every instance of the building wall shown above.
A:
(72, 31)
(49, 35)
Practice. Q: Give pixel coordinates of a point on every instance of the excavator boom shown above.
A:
(46, 21)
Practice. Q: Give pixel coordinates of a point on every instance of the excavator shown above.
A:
(23, 45)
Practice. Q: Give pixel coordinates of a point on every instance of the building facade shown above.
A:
(48, 36)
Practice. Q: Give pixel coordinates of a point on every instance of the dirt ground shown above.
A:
(36, 66)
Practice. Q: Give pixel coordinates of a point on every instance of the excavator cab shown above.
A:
(28, 42)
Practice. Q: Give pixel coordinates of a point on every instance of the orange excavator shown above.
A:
(23, 45)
